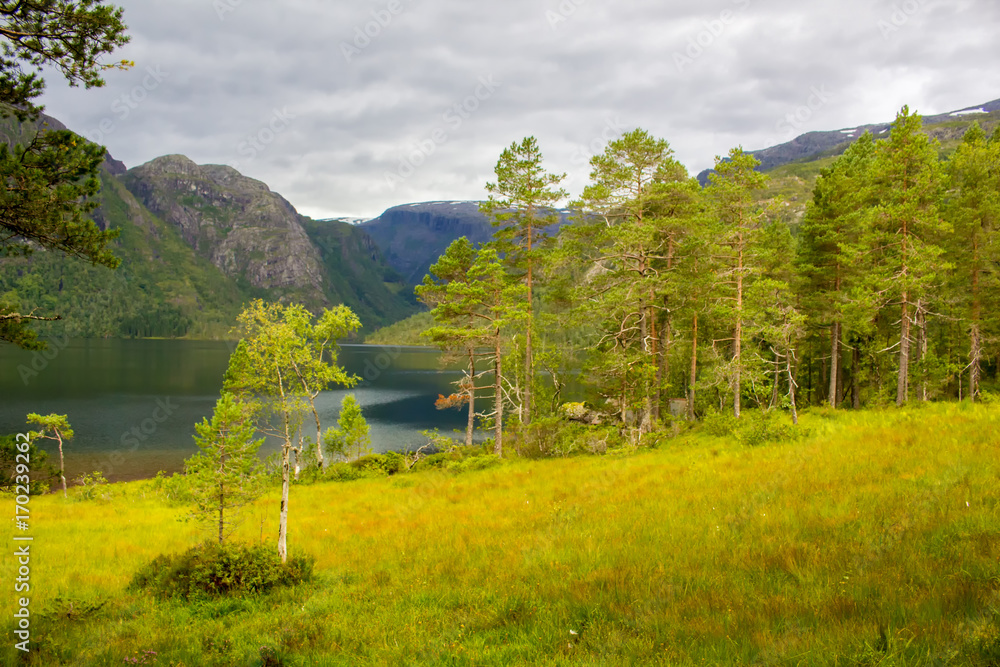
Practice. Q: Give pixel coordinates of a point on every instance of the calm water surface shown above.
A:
(133, 403)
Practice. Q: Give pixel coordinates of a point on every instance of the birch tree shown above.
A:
(262, 371)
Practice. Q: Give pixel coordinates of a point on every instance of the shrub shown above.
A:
(345, 472)
(758, 428)
(388, 463)
(720, 424)
(211, 570)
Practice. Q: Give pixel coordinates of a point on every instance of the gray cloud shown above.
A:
(322, 100)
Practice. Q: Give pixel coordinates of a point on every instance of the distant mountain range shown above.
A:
(198, 241)
(815, 145)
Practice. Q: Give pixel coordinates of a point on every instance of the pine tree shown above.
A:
(226, 474)
(50, 178)
(973, 209)
(638, 205)
(521, 204)
(451, 334)
(733, 191)
(907, 182)
(833, 253)
(54, 427)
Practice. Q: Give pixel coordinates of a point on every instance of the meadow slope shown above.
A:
(874, 540)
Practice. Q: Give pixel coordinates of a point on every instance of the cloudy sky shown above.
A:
(348, 108)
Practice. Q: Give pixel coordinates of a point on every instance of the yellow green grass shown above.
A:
(875, 540)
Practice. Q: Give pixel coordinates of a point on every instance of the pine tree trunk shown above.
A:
(498, 399)
(738, 338)
(975, 356)
(855, 377)
(777, 376)
(471, 426)
(902, 384)
(791, 388)
(62, 466)
(222, 504)
(975, 343)
(834, 364)
(922, 328)
(694, 367)
(529, 370)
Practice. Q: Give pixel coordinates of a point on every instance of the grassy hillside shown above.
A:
(405, 332)
(873, 541)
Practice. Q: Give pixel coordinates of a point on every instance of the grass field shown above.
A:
(874, 540)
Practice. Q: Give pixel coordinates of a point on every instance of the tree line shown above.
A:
(662, 289)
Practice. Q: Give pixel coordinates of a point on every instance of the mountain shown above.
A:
(197, 242)
(812, 146)
(413, 236)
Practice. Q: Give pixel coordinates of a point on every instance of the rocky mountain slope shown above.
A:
(413, 236)
(249, 233)
(196, 243)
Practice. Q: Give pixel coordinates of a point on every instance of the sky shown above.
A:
(349, 108)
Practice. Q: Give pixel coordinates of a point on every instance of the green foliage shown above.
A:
(351, 439)
(93, 486)
(553, 437)
(40, 473)
(760, 428)
(225, 475)
(50, 178)
(211, 570)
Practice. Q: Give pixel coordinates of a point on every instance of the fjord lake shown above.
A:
(133, 404)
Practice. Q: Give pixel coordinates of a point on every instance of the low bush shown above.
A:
(210, 570)
(757, 428)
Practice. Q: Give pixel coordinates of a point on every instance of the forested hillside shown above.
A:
(885, 292)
